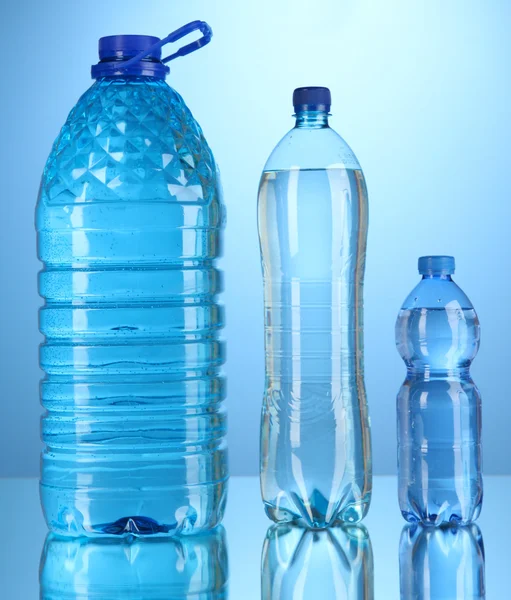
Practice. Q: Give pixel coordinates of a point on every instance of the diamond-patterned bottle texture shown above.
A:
(129, 220)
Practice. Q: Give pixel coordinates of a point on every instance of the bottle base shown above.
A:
(103, 512)
(443, 502)
(317, 516)
(444, 515)
(435, 520)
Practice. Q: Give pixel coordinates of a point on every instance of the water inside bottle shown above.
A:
(439, 416)
(315, 434)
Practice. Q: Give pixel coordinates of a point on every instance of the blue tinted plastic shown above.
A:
(202, 26)
(129, 220)
(438, 406)
(331, 564)
(123, 55)
(315, 439)
(312, 99)
(441, 563)
(180, 568)
(436, 265)
(120, 46)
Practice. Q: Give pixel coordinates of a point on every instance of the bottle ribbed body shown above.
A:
(439, 406)
(315, 440)
(129, 220)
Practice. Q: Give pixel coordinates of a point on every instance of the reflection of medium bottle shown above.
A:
(129, 219)
(312, 210)
(186, 567)
(441, 563)
(331, 564)
(438, 406)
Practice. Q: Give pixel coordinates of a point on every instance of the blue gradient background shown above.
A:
(421, 91)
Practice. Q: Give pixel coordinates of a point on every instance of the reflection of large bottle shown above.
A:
(438, 406)
(181, 568)
(331, 564)
(441, 563)
(315, 441)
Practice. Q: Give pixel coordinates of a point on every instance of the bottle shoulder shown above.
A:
(436, 293)
(311, 148)
(437, 328)
(125, 135)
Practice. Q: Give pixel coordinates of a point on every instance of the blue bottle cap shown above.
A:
(436, 265)
(312, 98)
(141, 54)
(126, 46)
(114, 50)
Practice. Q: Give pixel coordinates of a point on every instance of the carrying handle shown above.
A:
(202, 26)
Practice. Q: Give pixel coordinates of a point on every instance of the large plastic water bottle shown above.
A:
(191, 567)
(315, 439)
(128, 220)
(441, 563)
(332, 564)
(438, 406)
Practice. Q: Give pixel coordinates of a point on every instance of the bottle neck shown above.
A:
(428, 373)
(135, 80)
(442, 276)
(312, 119)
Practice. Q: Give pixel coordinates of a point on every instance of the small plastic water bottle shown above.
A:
(444, 563)
(438, 406)
(315, 438)
(182, 567)
(332, 564)
(129, 219)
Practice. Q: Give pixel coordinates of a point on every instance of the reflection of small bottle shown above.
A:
(331, 564)
(151, 568)
(441, 563)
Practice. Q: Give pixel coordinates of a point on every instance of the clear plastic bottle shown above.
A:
(315, 438)
(441, 563)
(331, 564)
(182, 568)
(129, 219)
(438, 406)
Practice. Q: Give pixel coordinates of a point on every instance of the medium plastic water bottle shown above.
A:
(191, 567)
(331, 564)
(128, 220)
(441, 563)
(315, 439)
(438, 406)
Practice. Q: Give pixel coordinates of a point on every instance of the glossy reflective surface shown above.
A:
(439, 409)
(255, 559)
(312, 220)
(128, 224)
(441, 562)
(297, 563)
(157, 567)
